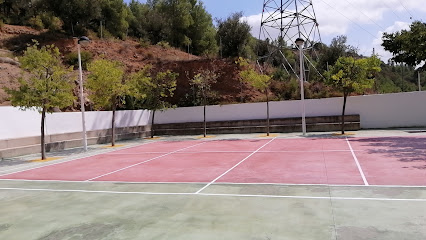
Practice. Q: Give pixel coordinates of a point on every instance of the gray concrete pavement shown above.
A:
(54, 210)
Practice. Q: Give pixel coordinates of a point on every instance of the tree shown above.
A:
(202, 32)
(258, 81)
(350, 75)
(178, 18)
(338, 48)
(234, 35)
(116, 15)
(76, 14)
(408, 46)
(47, 85)
(107, 87)
(203, 81)
(153, 90)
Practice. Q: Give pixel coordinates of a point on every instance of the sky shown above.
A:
(362, 21)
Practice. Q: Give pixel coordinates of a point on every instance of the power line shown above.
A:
(394, 13)
(406, 9)
(349, 19)
(371, 20)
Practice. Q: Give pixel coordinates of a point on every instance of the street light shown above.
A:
(82, 41)
(299, 43)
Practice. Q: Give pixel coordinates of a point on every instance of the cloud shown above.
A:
(335, 17)
(377, 42)
(367, 19)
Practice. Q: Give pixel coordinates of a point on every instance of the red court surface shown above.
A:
(334, 161)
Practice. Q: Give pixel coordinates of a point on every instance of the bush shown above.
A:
(36, 23)
(91, 34)
(51, 22)
(144, 43)
(1, 24)
(105, 34)
(164, 44)
(72, 59)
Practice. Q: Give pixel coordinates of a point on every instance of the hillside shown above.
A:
(14, 39)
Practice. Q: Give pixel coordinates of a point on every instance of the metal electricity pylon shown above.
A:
(284, 21)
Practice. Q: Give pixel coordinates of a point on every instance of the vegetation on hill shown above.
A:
(180, 36)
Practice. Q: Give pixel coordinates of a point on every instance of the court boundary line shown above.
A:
(218, 183)
(214, 194)
(364, 179)
(73, 158)
(301, 151)
(136, 164)
(236, 165)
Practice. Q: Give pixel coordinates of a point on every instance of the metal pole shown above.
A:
(82, 99)
(420, 86)
(302, 91)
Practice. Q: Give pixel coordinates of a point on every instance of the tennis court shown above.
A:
(317, 187)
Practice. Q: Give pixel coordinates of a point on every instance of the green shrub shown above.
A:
(72, 59)
(164, 44)
(51, 22)
(144, 43)
(92, 35)
(36, 23)
(105, 34)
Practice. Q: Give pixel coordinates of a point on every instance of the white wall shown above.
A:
(376, 111)
(15, 123)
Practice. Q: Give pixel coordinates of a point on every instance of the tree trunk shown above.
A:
(204, 112)
(345, 96)
(205, 124)
(152, 124)
(113, 127)
(267, 114)
(43, 147)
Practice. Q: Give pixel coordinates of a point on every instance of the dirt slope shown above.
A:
(228, 88)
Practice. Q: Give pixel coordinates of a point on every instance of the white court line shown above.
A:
(74, 158)
(180, 152)
(87, 182)
(218, 183)
(236, 165)
(214, 195)
(358, 164)
(149, 160)
(192, 152)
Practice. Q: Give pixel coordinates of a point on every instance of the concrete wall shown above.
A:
(376, 111)
(15, 123)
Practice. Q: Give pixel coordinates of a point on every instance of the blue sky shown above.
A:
(362, 21)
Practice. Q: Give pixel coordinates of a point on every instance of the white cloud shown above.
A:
(377, 42)
(254, 22)
(367, 18)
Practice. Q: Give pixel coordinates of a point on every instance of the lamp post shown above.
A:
(82, 41)
(299, 43)
(418, 76)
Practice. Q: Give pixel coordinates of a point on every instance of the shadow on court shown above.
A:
(403, 148)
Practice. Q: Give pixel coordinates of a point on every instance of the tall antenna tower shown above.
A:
(284, 21)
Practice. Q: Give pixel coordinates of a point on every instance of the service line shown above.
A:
(139, 163)
(358, 164)
(213, 195)
(236, 165)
